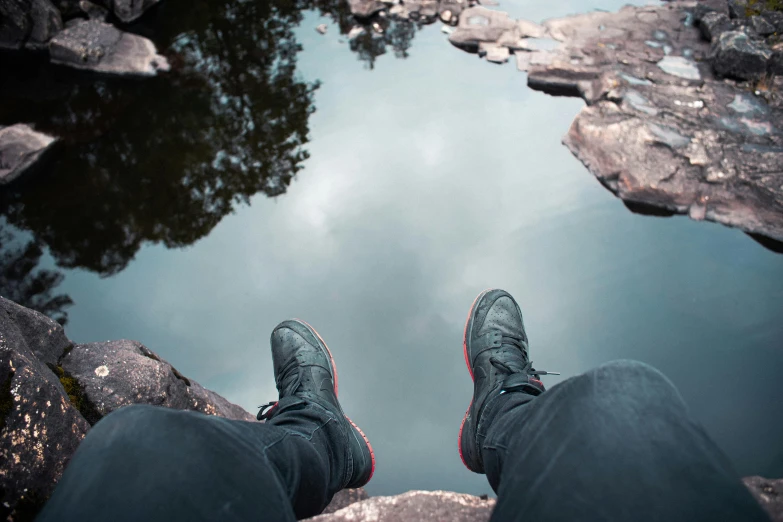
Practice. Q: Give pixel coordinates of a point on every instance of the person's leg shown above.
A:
(613, 444)
(155, 464)
(616, 443)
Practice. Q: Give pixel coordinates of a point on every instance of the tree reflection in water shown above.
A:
(22, 283)
(163, 160)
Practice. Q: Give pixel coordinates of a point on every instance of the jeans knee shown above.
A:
(136, 422)
(628, 381)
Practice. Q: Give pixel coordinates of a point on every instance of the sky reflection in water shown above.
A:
(430, 179)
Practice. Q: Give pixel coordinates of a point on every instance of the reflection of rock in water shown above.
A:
(23, 283)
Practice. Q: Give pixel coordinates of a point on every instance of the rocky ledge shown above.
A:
(53, 391)
(683, 99)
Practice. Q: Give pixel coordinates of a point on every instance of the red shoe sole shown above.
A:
(470, 369)
(334, 372)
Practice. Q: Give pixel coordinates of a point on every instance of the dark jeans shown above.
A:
(616, 443)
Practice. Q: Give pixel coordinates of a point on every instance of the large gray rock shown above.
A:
(769, 493)
(114, 374)
(415, 506)
(21, 150)
(100, 47)
(39, 427)
(50, 393)
(735, 55)
(28, 23)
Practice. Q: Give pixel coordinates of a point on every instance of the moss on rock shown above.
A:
(77, 396)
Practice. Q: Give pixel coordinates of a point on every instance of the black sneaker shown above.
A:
(496, 352)
(305, 371)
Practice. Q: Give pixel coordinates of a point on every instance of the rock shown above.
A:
(365, 8)
(415, 506)
(700, 11)
(28, 23)
(479, 24)
(713, 24)
(424, 10)
(761, 26)
(345, 498)
(39, 427)
(776, 62)
(659, 129)
(102, 48)
(93, 11)
(775, 18)
(735, 55)
(769, 493)
(356, 32)
(22, 149)
(46, 22)
(493, 52)
(118, 373)
(51, 392)
(130, 10)
(322, 28)
(738, 8)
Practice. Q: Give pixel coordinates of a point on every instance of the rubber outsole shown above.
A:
(336, 383)
(468, 323)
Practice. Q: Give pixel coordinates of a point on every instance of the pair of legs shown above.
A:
(616, 443)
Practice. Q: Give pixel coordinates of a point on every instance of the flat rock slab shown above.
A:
(100, 47)
(660, 129)
(114, 374)
(415, 506)
(21, 148)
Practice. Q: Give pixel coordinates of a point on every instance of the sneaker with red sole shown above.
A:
(305, 371)
(496, 353)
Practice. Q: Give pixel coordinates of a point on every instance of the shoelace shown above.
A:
(511, 366)
(291, 377)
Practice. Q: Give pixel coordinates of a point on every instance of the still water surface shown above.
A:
(431, 176)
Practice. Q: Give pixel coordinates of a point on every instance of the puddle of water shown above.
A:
(680, 66)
